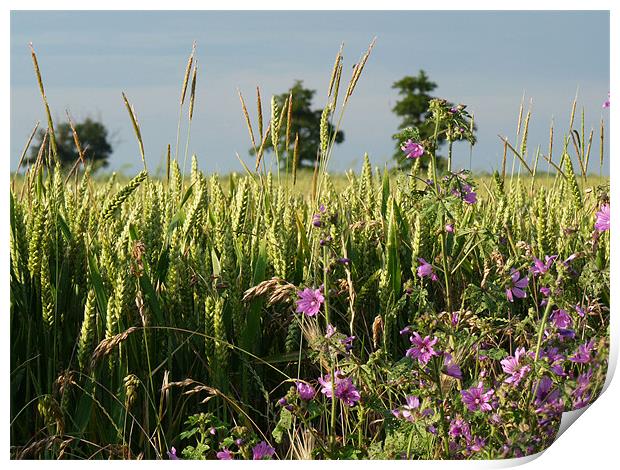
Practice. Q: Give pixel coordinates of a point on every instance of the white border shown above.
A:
(592, 443)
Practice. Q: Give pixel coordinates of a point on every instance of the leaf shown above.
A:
(284, 424)
(100, 293)
(495, 353)
(188, 193)
(393, 261)
(66, 231)
(385, 193)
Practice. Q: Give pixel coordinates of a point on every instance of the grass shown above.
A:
(149, 314)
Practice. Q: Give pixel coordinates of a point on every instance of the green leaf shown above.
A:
(100, 293)
(284, 424)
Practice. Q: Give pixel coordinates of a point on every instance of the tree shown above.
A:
(93, 139)
(412, 107)
(305, 122)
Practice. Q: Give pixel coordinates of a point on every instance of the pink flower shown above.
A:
(602, 219)
(172, 454)
(263, 451)
(407, 410)
(541, 268)
(451, 368)
(342, 387)
(224, 454)
(583, 356)
(310, 301)
(561, 319)
(412, 149)
(460, 427)
(306, 391)
(426, 270)
(346, 391)
(518, 285)
(476, 399)
(510, 365)
(422, 349)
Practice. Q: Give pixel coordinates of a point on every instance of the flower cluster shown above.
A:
(342, 387)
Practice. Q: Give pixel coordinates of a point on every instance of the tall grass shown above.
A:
(137, 304)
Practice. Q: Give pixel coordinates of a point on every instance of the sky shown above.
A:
(487, 60)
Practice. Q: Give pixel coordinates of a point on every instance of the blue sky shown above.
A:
(487, 60)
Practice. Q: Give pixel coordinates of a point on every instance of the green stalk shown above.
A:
(446, 269)
(541, 330)
(444, 424)
(332, 431)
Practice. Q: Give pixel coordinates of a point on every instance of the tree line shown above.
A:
(414, 96)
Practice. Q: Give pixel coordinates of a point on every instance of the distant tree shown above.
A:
(93, 138)
(305, 122)
(412, 108)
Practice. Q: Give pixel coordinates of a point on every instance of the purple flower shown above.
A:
(466, 193)
(348, 343)
(426, 270)
(541, 268)
(561, 319)
(330, 330)
(309, 301)
(459, 427)
(172, 454)
(316, 220)
(345, 261)
(262, 451)
(566, 333)
(412, 149)
(224, 454)
(606, 102)
(569, 259)
(450, 367)
(469, 196)
(346, 391)
(583, 356)
(545, 291)
(476, 399)
(602, 219)
(546, 395)
(342, 387)
(477, 445)
(449, 228)
(511, 366)
(555, 359)
(282, 401)
(580, 311)
(326, 384)
(407, 410)
(306, 391)
(405, 331)
(422, 349)
(518, 284)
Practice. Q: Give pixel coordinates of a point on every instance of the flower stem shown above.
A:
(332, 430)
(444, 424)
(541, 330)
